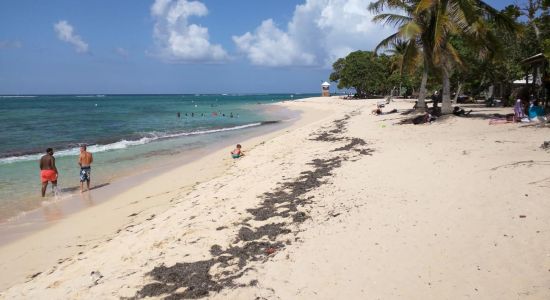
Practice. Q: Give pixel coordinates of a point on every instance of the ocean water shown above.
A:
(124, 132)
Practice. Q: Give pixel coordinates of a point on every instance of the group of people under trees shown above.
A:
(524, 111)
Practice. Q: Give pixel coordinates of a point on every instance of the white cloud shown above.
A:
(10, 44)
(179, 41)
(66, 33)
(270, 46)
(320, 32)
(121, 51)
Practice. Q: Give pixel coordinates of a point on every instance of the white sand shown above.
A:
(433, 213)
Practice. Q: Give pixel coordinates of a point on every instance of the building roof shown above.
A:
(538, 58)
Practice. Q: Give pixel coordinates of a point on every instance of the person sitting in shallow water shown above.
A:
(237, 152)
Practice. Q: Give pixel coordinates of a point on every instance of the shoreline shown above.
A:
(348, 205)
(70, 200)
(85, 208)
(152, 126)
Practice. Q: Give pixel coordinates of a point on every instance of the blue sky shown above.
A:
(178, 46)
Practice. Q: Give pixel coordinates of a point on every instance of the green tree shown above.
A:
(400, 77)
(411, 36)
(362, 71)
(466, 19)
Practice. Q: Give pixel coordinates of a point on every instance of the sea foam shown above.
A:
(123, 144)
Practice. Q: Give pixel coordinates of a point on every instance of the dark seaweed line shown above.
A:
(193, 280)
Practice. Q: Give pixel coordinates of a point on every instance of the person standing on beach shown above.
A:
(85, 161)
(48, 171)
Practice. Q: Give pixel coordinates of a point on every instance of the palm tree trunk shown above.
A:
(459, 89)
(422, 94)
(446, 104)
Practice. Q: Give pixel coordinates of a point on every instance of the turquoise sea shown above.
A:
(124, 132)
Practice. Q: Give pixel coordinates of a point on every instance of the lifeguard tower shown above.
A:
(325, 89)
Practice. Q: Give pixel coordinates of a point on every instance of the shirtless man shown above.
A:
(84, 161)
(48, 171)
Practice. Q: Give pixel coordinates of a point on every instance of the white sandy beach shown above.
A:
(341, 205)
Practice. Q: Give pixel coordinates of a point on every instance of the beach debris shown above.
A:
(522, 216)
(545, 145)
(269, 230)
(270, 251)
(95, 276)
(194, 276)
(527, 163)
(33, 276)
(330, 136)
(357, 145)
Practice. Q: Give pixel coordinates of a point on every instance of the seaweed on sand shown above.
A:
(190, 280)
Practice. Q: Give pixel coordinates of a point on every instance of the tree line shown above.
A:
(447, 45)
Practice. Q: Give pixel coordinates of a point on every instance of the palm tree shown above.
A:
(428, 26)
(466, 19)
(397, 51)
(410, 35)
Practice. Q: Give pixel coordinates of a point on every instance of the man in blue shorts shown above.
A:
(85, 161)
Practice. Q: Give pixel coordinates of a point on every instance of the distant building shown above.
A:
(538, 82)
(325, 89)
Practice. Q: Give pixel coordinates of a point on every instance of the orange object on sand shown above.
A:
(270, 250)
(48, 175)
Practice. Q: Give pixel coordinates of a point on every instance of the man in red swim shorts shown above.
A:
(48, 171)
